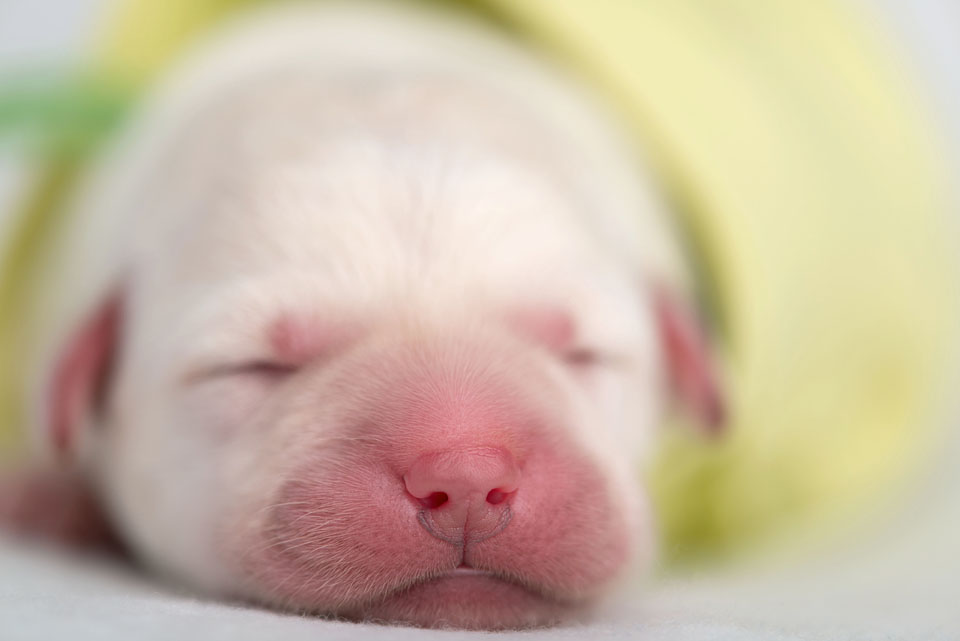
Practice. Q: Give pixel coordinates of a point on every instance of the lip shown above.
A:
(467, 582)
(467, 598)
(465, 571)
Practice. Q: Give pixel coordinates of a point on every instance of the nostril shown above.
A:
(457, 481)
(497, 496)
(434, 500)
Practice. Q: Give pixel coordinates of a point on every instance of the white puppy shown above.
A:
(372, 314)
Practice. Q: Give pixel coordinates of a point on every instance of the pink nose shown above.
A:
(465, 494)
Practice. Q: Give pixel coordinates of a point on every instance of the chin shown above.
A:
(468, 599)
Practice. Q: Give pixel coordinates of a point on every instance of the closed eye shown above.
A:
(581, 357)
(261, 369)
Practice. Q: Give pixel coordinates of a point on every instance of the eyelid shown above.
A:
(582, 356)
(265, 367)
(252, 367)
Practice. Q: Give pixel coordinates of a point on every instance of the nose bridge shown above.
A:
(464, 494)
(463, 473)
(464, 388)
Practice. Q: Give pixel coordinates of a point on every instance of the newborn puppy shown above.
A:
(372, 314)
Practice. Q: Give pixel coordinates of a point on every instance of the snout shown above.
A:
(458, 490)
(464, 495)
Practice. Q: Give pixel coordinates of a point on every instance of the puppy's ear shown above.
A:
(693, 375)
(77, 383)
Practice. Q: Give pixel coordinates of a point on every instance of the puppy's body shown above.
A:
(383, 336)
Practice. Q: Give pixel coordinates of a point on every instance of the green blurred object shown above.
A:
(808, 179)
(51, 115)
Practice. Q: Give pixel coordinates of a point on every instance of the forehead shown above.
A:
(366, 221)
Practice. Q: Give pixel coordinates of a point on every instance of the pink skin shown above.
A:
(692, 372)
(553, 328)
(80, 376)
(55, 506)
(56, 503)
(296, 340)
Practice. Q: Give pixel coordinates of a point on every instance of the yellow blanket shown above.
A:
(814, 195)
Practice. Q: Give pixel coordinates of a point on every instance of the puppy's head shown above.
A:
(377, 381)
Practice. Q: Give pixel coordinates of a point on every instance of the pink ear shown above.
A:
(80, 373)
(693, 375)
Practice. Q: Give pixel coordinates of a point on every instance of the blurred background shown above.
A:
(812, 150)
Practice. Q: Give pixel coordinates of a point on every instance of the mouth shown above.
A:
(466, 570)
(467, 598)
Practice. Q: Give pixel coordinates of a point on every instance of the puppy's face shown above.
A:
(382, 389)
